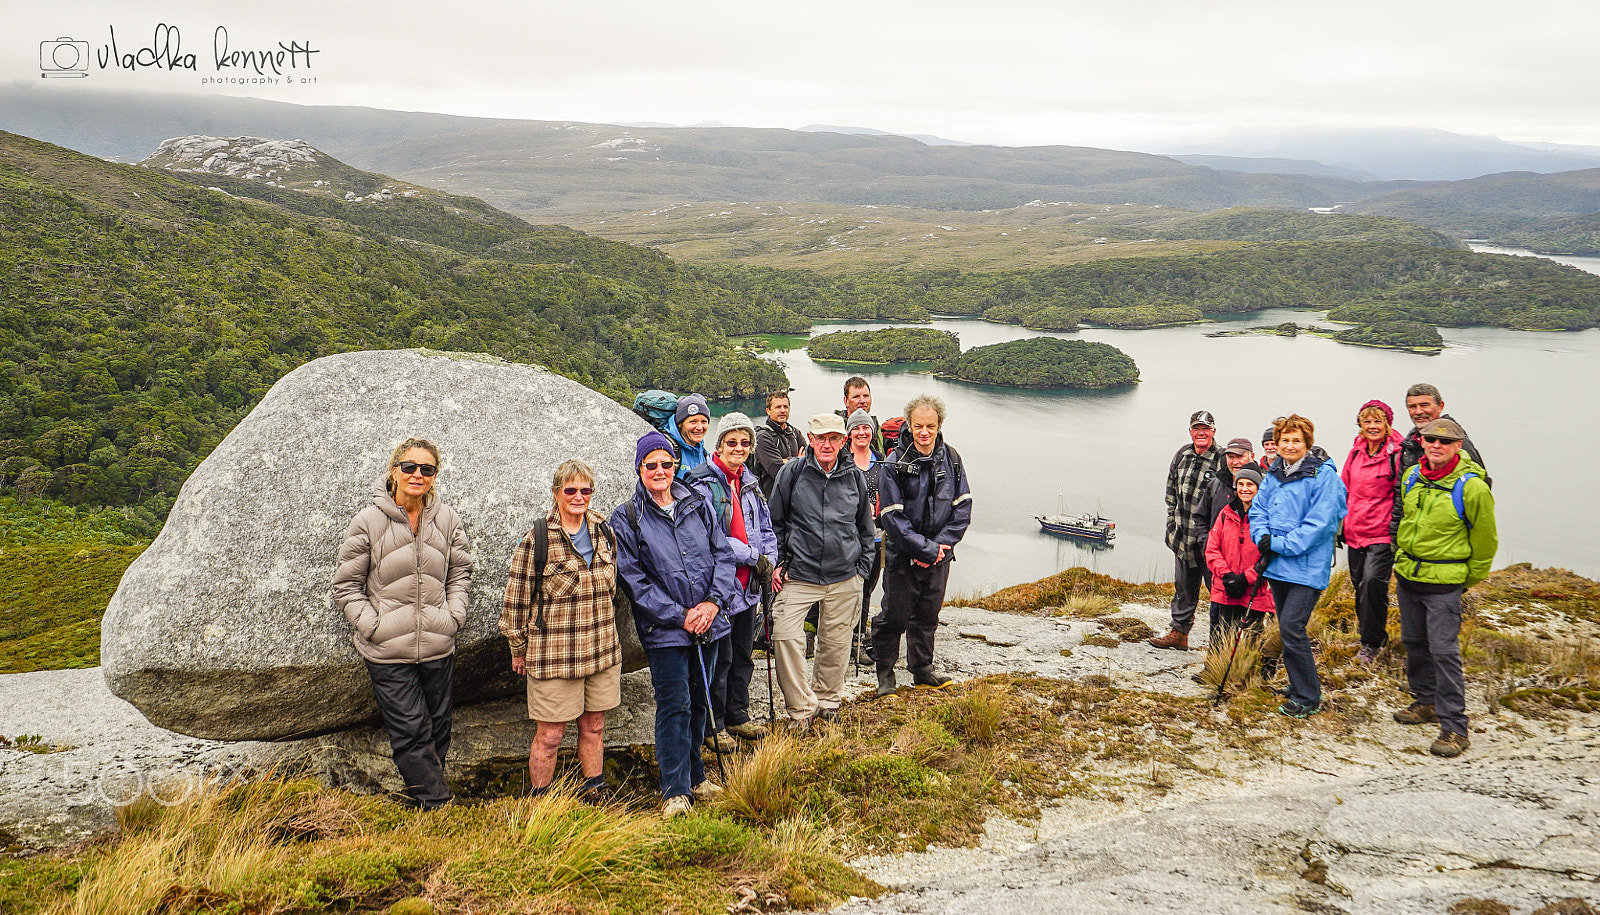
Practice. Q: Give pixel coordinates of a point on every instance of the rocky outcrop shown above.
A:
(225, 627)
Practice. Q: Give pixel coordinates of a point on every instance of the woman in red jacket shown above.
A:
(1237, 597)
(1370, 474)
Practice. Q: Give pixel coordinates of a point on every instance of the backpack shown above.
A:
(1457, 498)
(541, 554)
(891, 432)
(656, 408)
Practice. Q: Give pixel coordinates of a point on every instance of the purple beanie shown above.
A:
(1388, 414)
(652, 441)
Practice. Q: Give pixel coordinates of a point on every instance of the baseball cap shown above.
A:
(1202, 418)
(823, 423)
(1240, 446)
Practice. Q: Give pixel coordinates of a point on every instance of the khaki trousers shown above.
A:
(841, 604)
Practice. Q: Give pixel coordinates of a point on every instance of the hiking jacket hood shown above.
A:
(1302, 512)
(689, 456)
(1369, 480)
(404, 594)
(1433, 545)
(1229, 549)
(823, 521)
(928, 506)
(707, 479)
(670, 563)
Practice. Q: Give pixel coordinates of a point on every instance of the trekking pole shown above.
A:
(1238, 633)
(711, 716)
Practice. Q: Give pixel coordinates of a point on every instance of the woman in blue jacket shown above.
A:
(1294, 519)
(677, 568)
(731, 487)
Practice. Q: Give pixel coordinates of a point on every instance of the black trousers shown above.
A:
(912, 597)
(730, 682)
(414, 700)
(869, 583)
(1370, 570)
(1186, 581)
(1236, 616)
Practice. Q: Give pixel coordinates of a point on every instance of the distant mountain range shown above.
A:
(551, 171)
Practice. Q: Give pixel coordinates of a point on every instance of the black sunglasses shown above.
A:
(1434, 439)
(410, 467)
(661, 465)
(574, 490)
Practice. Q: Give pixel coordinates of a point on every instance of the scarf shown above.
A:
(735, 514)
(1434, 476)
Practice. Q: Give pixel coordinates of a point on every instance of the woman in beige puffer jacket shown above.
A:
(402, 579)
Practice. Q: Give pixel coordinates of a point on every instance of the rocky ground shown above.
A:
(1355, 818)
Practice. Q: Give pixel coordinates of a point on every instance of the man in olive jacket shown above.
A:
(1444, 544)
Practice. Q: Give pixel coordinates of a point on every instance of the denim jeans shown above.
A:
(1295, 603)
(681, 713)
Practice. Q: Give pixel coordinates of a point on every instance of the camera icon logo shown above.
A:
(63, 57)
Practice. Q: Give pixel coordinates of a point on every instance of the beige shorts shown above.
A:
(565, 700)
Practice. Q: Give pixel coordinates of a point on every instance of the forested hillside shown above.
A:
(142, 316)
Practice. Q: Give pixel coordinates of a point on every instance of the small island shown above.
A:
(1411, 336)
(882, 347)
(1044, 362)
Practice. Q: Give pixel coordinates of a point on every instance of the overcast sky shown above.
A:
(1158, 75)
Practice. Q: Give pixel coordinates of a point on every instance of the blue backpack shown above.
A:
(1456, 497)
(656, 408)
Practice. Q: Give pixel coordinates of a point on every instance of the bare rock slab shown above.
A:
(225, 627)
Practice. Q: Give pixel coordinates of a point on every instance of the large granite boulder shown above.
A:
(225, 628)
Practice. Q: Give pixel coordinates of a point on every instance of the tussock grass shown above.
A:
(1087, 605)
(760, 787)
(1245, 669)
(976, 714)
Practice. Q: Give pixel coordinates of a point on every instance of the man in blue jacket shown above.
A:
(825, 534)
(926, 510)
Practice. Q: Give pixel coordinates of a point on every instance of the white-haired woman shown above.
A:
(560, 621)
(404, 568)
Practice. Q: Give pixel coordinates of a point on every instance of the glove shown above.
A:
(1265, 545)
(1234, 585)
(763, 568)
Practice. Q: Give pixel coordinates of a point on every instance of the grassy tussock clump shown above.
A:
(1240, 663)
(291, 846)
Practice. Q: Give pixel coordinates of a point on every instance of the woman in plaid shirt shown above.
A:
(564, 640)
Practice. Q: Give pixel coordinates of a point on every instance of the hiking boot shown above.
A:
(749, 730)
(598, 796)
(864, 651)
(1173, 639)
(720, 741)
(1368, 655)
(706, 791)
(676, 805)
(798, 727)
(925, 677)
(825, 714)
(1450, 744)
(886, 684)
(1416, 713)
(1294, 708)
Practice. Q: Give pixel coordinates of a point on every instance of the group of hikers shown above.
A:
(1262, 535)
(761, 533)
(750, 530)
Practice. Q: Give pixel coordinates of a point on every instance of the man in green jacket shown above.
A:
(1444, 544)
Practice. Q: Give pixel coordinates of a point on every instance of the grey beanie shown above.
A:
(690, 405)
(858, 418)
(1250, 471)
(734, 421)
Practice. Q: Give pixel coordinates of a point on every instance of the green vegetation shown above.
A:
(1568, 235)
(894, 344)
(1411, 335)
(1044, 362)
(63, 565)
(141, 316)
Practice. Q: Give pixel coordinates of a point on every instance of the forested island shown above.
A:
(882, 347)
(1044, 362)
(1412, 336)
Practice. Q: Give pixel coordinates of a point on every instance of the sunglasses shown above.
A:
(410, 467)
(1434, 439)
(574, 490)
(736, 442)
(659, 465)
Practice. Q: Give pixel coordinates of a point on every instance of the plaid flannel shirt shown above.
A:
(580, 634)
(1189, 481)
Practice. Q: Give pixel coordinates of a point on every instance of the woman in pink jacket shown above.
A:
(1370, 474)
(1237, 595)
